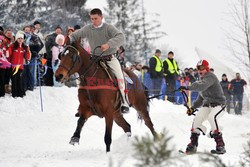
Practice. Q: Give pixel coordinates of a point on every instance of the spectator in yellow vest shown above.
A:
(156, 73)
(171, 71)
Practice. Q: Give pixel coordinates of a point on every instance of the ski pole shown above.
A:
(40, 88)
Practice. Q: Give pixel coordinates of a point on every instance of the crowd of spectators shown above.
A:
(29, 59)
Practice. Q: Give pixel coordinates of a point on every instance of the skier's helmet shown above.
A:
(203, 64)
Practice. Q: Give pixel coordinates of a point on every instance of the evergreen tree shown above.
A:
(154, 153)
(18, 13)
(127, 16)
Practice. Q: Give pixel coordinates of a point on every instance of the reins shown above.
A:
(184, 95)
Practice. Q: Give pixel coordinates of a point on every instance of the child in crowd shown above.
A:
(55, 52)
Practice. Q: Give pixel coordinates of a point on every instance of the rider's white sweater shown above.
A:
(98, 36)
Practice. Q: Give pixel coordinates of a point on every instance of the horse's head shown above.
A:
(70, 60)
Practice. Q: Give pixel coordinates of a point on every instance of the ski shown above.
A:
(184, 152)
(181, 151)
(197, 152)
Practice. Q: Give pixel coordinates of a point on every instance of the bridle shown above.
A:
(75, 58)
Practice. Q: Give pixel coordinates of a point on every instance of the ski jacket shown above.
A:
(50, 41)
(55, 52)
(35, 45)
(237, 86)
(210, 91)
(18, 56)
(226, 87)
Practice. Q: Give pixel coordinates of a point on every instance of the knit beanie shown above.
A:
(58, 37)
(19, 34)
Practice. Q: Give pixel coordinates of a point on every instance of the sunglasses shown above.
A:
(200, 68)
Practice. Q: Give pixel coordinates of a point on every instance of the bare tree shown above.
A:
(239, 34)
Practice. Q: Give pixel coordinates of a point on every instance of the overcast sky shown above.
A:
(188, 23)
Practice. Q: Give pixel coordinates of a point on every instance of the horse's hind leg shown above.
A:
(108, 131)
(76, 136)
(120, 121)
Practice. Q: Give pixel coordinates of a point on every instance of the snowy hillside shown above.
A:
(31, 138)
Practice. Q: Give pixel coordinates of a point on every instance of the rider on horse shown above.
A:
(109, 38)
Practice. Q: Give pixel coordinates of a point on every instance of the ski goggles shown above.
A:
(200, 67)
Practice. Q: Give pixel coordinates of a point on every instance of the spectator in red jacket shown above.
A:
(8, 39)
(19, 54)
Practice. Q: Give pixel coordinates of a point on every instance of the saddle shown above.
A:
(103, 63)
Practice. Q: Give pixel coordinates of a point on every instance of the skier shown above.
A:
(212, 101)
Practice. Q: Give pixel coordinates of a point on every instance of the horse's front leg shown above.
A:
(120, 121)
(76, 137)
(108, 132)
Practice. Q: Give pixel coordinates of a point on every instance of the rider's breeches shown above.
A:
(116, 69)
(212, 115)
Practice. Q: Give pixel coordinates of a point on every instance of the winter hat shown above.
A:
(76, 27)
(203, 63)
(224, 75)
(36, 22)
(171, 52)
(58, 37)
(19, 34)
(71, 29)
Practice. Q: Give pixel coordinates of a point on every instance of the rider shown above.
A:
(212, 101)
(109, 38)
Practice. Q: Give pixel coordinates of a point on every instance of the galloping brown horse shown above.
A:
(98, 98)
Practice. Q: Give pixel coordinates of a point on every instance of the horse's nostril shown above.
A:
(59, 77)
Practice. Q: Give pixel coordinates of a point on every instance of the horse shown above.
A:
(100, 100)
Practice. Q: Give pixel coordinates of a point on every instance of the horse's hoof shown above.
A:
(158, 136)
(74, 140)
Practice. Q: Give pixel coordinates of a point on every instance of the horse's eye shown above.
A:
(74, 58)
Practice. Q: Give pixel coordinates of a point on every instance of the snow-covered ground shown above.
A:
(31, 138)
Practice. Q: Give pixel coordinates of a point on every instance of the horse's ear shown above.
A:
(67, 40)
(60, 55)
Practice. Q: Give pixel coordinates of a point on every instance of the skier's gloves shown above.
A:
(182, 88)
(191, 111)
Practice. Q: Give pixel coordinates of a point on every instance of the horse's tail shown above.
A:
(139, 85)
(146, 91)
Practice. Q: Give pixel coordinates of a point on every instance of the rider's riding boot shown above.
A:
(124, 106)
(192, 146)
(220, 145)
